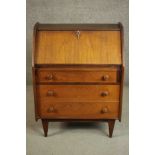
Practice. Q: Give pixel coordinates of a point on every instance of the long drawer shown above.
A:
(98, 75)
(79, 110)
(78, 93)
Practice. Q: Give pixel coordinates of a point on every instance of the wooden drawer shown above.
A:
(78, 93)
(99, 75)
(79, 110)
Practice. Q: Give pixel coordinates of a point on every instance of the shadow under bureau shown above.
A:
(78, 73)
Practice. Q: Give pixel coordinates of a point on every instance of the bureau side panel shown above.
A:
(34, 71)
(35, 95)
(122, 70)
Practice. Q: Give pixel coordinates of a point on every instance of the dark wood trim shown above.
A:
(34, 71)
(121, 94)
(122, 42)
(122, 70)
(78, 120)
(34, 43)
(76, 65)
(80, 67)
(111, 124)
(74, 27)
(77, 83)
(118, 75)
(45, 126)
(35, 94)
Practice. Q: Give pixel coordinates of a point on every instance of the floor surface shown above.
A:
(77, 138)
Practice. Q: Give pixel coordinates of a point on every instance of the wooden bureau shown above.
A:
(78, 73)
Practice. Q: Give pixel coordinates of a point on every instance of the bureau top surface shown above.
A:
(62, 27)
(77, 44)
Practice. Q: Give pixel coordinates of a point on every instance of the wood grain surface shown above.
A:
(87, 75)
(64, 47)
(78, 72)
(77, 93)
(82, 110)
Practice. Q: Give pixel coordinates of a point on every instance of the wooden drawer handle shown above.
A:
(105, 77)
(49, 77)
(105, 93)
(50, 93)
(104, 110)
(51, 109)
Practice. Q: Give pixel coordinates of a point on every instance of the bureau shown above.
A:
(78, 73)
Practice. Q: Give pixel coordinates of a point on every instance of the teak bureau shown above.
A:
(78, 73)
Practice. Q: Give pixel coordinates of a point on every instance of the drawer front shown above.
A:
(100, 75)
(78, 93)
(80, 110)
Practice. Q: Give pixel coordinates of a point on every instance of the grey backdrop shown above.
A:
(76, 11)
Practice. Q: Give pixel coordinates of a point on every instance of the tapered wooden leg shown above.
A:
(111, 124)
(45, 126)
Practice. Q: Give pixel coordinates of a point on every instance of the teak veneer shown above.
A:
(78, 72)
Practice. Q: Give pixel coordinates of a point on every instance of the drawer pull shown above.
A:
(51, 109)
(49, 77)
(50, 93)
(104, 110)
(105, 93)
(105, 77)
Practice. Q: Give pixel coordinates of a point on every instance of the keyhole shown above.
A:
(78, 34)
